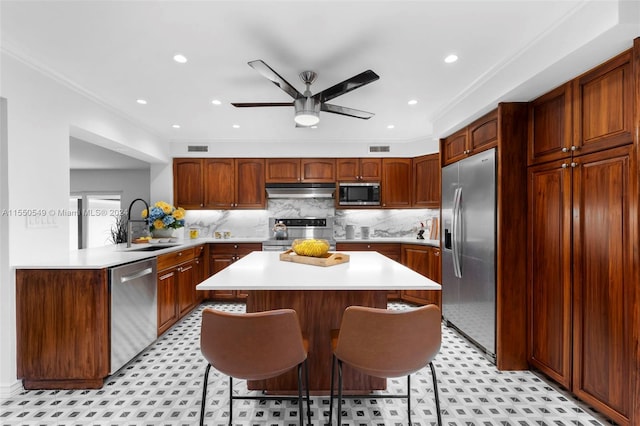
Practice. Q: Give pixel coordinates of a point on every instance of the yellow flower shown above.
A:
(144, 214)
(179, 213)
(158, 224)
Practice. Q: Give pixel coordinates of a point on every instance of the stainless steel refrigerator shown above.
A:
(468, 228)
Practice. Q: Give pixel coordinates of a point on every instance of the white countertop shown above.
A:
(366, 270)
(401, 240)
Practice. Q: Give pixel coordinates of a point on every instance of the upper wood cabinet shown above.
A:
(312, 170)
(219, 183)
(188, 182)
(426, 177)
(480, 135)
(359, 169)
(550, 129)
(397, 183)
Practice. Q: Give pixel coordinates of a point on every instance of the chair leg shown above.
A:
(333, 369)
(306, 386)
(204, 393)
(300, 409)
(230, 400)
(339, 392)
(435, 392)
(409, 398)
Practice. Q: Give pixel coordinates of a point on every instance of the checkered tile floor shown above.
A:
(163, 386)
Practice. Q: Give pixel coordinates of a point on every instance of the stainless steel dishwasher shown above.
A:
(134, 313)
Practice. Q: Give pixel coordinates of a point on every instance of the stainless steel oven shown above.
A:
(300, 227)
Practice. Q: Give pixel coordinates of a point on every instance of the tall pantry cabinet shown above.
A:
(583, 236)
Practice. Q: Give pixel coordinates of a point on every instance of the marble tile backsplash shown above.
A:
(254, 223)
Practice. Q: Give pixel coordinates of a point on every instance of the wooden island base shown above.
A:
(319, 311)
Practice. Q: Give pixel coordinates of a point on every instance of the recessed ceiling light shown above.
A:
(391, 126)
(180, 58)
(141, 101)
(451, 58)
(412, 102)
(236, 126)
(176, 126)
(216, 102)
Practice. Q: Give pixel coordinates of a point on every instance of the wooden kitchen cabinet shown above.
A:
(188, 183)
(426, 261)
(63, 343)
(426, 178)
(550, 126)
(396, 185)
(234, 183)
(478, 136)
(177, 295)
(311, 170)
(358, 169)
(222, 255)
(391, 250)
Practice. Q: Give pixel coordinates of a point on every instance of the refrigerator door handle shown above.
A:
(455, 233)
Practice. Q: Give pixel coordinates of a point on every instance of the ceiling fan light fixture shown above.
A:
(307, 111)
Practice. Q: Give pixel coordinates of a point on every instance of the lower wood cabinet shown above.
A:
(222, 255)
(426, 261)
(179, 273)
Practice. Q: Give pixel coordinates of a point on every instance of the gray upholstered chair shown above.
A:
(385, 343)
(254, 346)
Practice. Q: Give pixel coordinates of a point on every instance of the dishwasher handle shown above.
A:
(137, 275)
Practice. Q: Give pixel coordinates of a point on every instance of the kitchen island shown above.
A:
(319, 295)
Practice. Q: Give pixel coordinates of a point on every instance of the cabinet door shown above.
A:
(218, 263)
(348, 169)
(167, 299)
(603, 114)
(200, 272)
(397, 182)
(420, 259)
(282, 170)
(188, 183)
(219, 183)
(483, 133)
(605, 222)
(426, 176)
(186, 287)
(550, 126)
(249, 179)
(318, 170)
(549, 270)
(454, 147)
(370, 169)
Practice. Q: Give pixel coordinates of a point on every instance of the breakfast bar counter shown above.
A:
(319, 295)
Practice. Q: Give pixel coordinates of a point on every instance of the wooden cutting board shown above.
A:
(328, 259)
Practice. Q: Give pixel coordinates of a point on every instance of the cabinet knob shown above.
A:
(368, 245)
(564, 165)
(235, 246)
(565, 149)
(574, 164)
(574, 148)
(201, 205)
(180, 254)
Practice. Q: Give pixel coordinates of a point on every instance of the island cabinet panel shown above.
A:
(222, 255)
(391, 250)
(550, 128)
(397, 183)
(604, 98)
(317, 319)
(426, 261)
(288, 170)
(62, 328)
(188, 182)
(358, 169)
(426, 177)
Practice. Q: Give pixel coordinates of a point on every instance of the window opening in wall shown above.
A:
(96, 218)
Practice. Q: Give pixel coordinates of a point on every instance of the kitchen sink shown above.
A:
(154, 247)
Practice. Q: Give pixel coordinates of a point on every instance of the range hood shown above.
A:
(300, 190)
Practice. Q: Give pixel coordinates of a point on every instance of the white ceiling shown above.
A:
(119, 51)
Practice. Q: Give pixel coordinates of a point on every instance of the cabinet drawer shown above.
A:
(234, 248)
(175, 257)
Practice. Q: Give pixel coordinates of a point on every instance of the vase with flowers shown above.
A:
(163, 219)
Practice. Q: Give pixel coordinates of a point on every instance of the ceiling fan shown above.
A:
(307, 106)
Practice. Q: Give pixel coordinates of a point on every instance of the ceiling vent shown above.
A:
(198, 148)
(379, 148)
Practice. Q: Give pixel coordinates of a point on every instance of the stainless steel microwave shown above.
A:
(359, 194)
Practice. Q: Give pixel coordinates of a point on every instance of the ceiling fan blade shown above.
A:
(261, 104)
(266, 71)
(350, 112)
(346, 86)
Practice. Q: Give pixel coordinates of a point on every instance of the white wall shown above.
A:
(41, 114)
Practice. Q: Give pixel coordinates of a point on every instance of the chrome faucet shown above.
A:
(130, 222)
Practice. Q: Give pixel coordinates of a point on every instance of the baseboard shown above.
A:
(9, 390)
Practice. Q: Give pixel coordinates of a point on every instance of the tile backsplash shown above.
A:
(254, 223)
